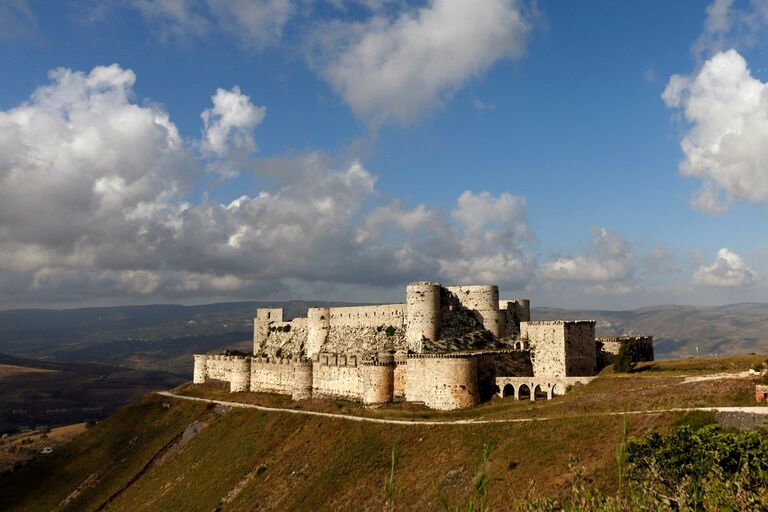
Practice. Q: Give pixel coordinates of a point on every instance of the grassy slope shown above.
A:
(247, 459)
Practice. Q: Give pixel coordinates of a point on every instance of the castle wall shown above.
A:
(366, 329)
(580, 349)
(337, 376)
(400, 376)
(302, 381)
(287, 339)
(232, 369)
(484, 300)
(240, 375)
(378, 380)
(264, 316)
(219, 367)
(561, 348)
(608, 348)
(318, 326)
(369, 316)
(442, 382)
(272, 375)
(423, 314)
(547, 345)
(200, 374)
(515, 311)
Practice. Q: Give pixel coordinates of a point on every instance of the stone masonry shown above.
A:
(446, 347)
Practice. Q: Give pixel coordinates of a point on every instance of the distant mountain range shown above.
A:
(152, 337)
(163, 337)
(679, 330)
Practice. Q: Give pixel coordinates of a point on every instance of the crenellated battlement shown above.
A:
(445, 346)
(338, 359)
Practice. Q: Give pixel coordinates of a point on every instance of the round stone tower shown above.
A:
(483, 299)
(201, 370)
(318, 327)
(523, 310)
(302, 380)
(240, 375)
(422, 314)
(488, 307)
(379, 379)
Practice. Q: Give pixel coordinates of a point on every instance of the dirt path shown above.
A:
(479, 421)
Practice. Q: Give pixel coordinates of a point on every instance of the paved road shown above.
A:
(477, 421)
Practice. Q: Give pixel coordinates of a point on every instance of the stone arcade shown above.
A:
(447, 347)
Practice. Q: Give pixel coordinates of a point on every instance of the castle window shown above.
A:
(269, 314)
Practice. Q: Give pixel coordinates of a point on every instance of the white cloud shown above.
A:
(16, 19)
(229, 124)
(729, 25)
(479, 105)
(94, 205)
(727, 109)
(609, 261)
(395, 69)
(488, 243)
(175, 18)
(728, 270)
(258, 23)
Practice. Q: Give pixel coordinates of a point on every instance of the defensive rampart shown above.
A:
(272, 375)
(442, 381)
(446, 347)
(337, 376)
(561, 348)
(608, 348)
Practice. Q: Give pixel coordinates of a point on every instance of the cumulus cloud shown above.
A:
(229, 124)
(727, 112)
(94, 204)
(396, 68)
(257, 23)
(609, 262)
(728, 270)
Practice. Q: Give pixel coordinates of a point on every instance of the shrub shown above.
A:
(702, 469)
(390, 331)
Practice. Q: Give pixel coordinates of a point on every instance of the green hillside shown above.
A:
(171, 454)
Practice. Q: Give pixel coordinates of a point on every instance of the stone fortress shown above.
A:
(447, 347)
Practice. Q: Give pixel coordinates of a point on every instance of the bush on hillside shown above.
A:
(702, 469)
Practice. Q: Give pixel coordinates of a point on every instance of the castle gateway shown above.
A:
(446, 347)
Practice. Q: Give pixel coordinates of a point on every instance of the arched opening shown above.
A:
(509, 390)
(519, 345)
(524, 392)
(539, 392)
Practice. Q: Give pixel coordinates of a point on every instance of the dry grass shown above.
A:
(8, 371)
(20, 448)
(247, 459)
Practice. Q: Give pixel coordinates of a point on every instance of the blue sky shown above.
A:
(535, 145)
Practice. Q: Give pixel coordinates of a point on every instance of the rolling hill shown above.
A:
(164, 453)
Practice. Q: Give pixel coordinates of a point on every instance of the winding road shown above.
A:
(471, 421)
